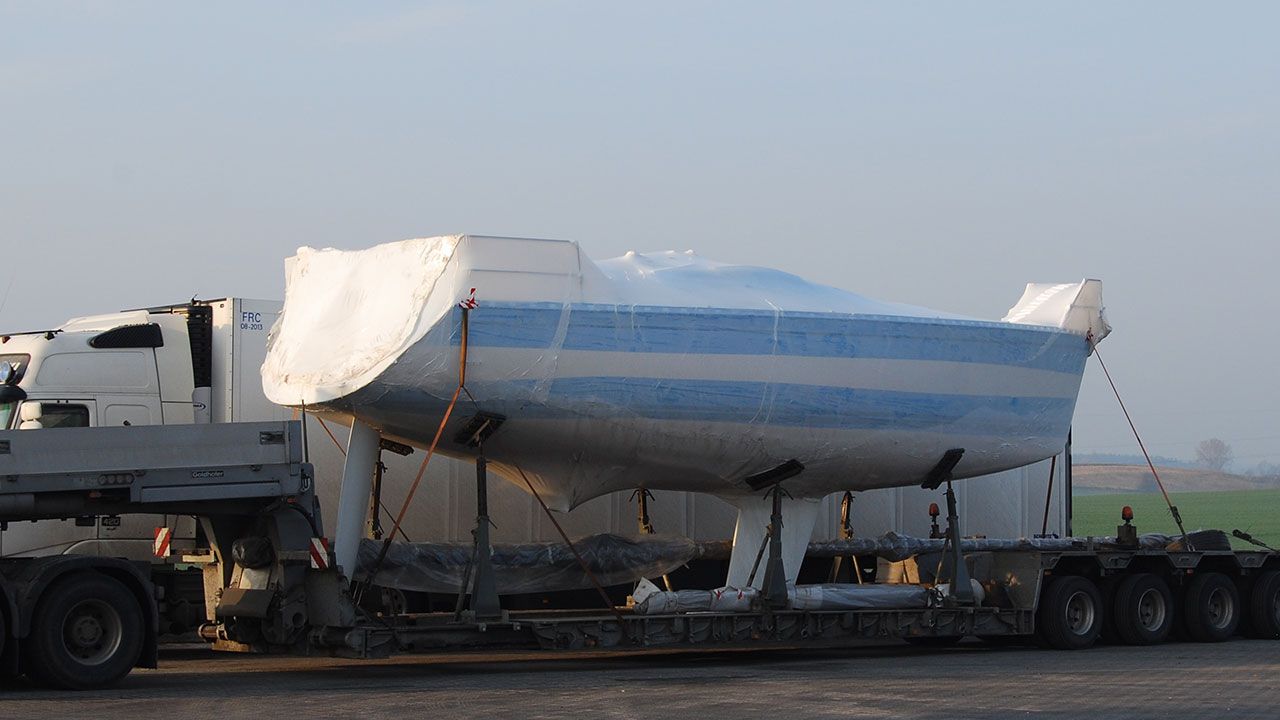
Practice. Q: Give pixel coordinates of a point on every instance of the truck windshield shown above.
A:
(6, 413)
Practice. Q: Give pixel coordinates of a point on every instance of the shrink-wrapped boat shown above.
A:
(669, 371)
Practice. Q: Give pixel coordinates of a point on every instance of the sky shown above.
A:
(938, 154)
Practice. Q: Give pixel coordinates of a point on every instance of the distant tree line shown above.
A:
(1212, 454)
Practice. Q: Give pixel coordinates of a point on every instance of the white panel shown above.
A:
(174, 359)
(522, 255)
(223, 360)
(125, 413)
(251, 322)
(98, 370)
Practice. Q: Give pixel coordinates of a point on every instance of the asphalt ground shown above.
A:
(1238, 679)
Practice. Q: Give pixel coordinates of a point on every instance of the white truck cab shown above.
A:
(166, 365)
(194, 362)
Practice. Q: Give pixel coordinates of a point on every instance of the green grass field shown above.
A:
(1254, 511)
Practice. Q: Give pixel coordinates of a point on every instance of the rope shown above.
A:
(1173, 509)
(327, 431)
(422, 469)
(343, 450)
(585, 568)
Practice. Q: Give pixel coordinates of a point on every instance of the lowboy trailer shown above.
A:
(271, 584)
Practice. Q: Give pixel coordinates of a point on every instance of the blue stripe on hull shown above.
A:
(749, 332)
(785, 405)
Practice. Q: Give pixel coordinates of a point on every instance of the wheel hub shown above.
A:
(1080, 613)
(92, 632)
(1151, 610)
(1220, 609)
(86, 631)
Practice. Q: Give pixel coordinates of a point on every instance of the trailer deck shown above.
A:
(271, 585)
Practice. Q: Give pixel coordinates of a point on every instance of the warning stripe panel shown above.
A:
(160, 546)
(319, 554)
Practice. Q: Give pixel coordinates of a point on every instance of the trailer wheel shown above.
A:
(1264, 608)
(1211, 607)
(87, 632)
(1071, 613)
(1143, 610)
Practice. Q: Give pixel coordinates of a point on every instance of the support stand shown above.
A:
(642, 511)
(645, 524)
(374, 529)
(774, 587)
(484, 589)
(846, 533)
(961, 588)
(953, 564)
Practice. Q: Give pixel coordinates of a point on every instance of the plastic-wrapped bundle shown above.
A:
(649, 600)
(530, 567)
(894, 547)
(857, 597)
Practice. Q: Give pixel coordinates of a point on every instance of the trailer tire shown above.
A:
(87, 632)
(1070, 615)
(1211, 607)
(1264, 606)
(1143, 610)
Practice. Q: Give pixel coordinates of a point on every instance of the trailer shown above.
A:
(198, 361)
(271, 583)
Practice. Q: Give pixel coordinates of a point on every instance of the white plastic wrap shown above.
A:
(858, 597)
(649, 600)
(667, 371)
(527, 567)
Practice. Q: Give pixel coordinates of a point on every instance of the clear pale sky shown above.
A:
(937, 154)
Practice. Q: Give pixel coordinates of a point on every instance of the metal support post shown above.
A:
(961, 588)
(846, 533)
(645, 524)
(353, 502)
(774, 586)
(374, 528)
(952, 555)
(484, 589)
(642, 511)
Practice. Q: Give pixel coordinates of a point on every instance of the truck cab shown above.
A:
(103, 370)
(194, 362)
